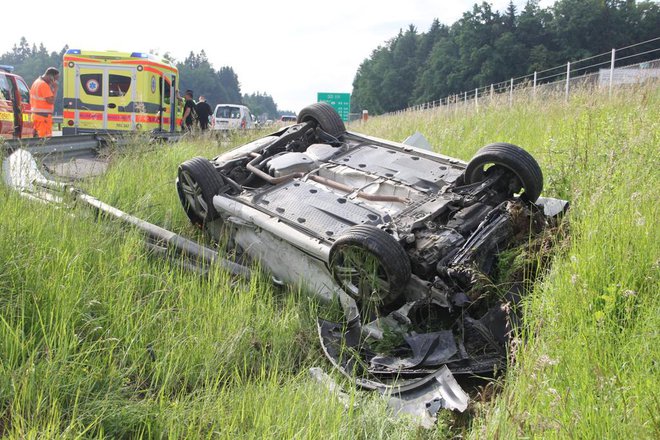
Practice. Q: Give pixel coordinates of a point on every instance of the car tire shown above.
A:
(514, 159)
(365, 252)
(325, 116)
(198, 181)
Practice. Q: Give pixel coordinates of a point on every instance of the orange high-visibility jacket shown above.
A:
(39, 92)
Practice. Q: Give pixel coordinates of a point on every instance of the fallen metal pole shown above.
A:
(174, 241)
(23, 174)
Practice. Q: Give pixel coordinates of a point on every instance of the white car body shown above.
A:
(404, 237)
(232, 117)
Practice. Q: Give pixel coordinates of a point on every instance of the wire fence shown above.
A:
(604, 71)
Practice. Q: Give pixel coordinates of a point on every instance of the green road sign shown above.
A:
(339, 101)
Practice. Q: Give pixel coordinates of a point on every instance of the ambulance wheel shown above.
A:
(198, 181)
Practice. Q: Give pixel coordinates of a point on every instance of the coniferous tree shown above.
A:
(486, 46)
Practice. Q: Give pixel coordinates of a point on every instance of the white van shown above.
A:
(232, 117)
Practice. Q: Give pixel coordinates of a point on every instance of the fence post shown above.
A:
(534, 87)
(568, 78)
(476, 98)
(612, 70)
(492, 91)
(511, 93)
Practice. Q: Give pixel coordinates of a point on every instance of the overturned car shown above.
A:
(404, 237)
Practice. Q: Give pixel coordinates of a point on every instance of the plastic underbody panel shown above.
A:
(410, 169)
(327, 212)
(322, 211)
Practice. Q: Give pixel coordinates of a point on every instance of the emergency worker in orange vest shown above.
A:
(42, 101)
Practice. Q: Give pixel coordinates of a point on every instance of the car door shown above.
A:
(103, 97)
(88, 106)
(167, 101)
(119, 98)
(25, 109)
(6, 107)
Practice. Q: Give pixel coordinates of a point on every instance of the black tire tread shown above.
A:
(326, 116)
(391, 254)
(210, 181)
(513, 158)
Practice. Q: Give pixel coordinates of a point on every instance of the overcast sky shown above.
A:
(290, 49)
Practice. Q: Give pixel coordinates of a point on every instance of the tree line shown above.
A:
(195, 72)
(31, 61)
(487, 46)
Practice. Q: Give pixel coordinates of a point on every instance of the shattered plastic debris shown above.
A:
(422, 396)
(428, 349)
(424, 402)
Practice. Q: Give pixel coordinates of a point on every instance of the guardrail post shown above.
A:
(568, 78)
(612, 70)
(511, 93)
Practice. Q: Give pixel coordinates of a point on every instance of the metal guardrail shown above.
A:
(73, 144)
(603, 65)
(58, 144)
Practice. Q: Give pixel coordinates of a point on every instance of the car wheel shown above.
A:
(370, 265)
(198, 181)
(325, 116)
(514, 159)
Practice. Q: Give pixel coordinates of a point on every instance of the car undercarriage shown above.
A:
(407, 239)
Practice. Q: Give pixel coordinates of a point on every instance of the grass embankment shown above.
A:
(97, 339)
(588, 365)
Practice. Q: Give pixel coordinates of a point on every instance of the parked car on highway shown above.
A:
(404, 237)
(287, 119)
(15, 109)
(232, 117)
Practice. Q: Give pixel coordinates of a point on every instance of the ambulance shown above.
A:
(119, 92)
(15, 110)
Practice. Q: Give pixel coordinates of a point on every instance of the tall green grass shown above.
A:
(99, 339)
(587, 364)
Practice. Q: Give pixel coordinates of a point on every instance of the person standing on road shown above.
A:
(203, 113)
(42, 101)
(189, 112)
